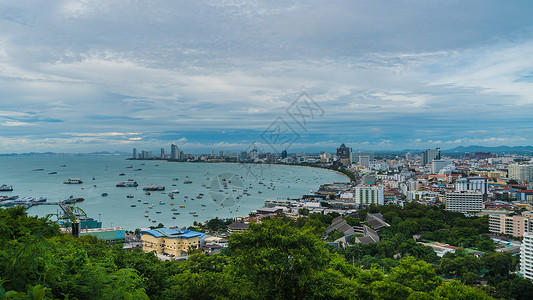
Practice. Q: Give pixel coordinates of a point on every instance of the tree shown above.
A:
(278, 259)
(417, 275)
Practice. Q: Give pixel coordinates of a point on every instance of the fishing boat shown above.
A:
(73, 181)
(133, 205)
(71, 200)
(128, 183)
(154, 188)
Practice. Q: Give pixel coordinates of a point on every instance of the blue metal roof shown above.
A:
(165, 232)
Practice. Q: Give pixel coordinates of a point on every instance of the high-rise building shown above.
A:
(343, 152)
(174, 152)
(364, 161)
(366, 195)
(513, 225)
(472, 184)
(135, 153)
(243, 155)
(284, 154)
(526, 256)
(254, 154)
(162, 152)
(520, 172)
(429, 155)
(408, 156)
(439, 164)
(469, 201)
(354, 156)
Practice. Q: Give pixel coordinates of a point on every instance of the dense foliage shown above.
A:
(278, 259)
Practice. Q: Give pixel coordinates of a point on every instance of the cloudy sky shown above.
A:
(82, 76)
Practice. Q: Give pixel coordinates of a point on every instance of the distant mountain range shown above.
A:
(498, 149)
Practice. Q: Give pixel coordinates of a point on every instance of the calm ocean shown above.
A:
(259, 181)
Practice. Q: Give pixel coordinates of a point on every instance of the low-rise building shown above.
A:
(170, 241)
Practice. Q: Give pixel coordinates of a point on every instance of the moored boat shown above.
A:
(73, 181)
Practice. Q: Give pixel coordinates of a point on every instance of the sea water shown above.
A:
(229, 189)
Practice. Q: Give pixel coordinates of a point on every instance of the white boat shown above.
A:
(175, 192)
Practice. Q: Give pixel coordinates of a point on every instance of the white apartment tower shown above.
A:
(526, 256)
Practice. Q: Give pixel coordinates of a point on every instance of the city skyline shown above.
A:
(91, 76)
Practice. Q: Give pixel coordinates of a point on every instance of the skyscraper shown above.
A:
(343, 152)
(135, 153)
(429, 155)
(174, 152)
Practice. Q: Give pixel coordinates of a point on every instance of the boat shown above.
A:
(52, 173)
(182, 206)
(121, 174)
(71, 200)
(173, 217)
(133, 205)
(157, 212)
(37, 169)
(147, 193)
(198, 197)
(187, 182)
(174, 209)
(176, 213)
(128, 183)
(146, 202)
(192, 212)
(6, 188)
(73, 181)
(138, 200)
(62, 166)
(138, 170)
(154, 188)
(153, 221)
(129, 196)
(146, 216)
(104, 194)
(175, 192)
(195, 215)
(151, 206)
(129, 167)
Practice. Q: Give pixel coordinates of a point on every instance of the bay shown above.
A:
(30, 177)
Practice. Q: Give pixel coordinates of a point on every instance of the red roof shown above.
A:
(525, 191)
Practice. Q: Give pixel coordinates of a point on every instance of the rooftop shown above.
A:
(166, 232)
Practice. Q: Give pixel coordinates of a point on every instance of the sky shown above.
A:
(84, 76)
